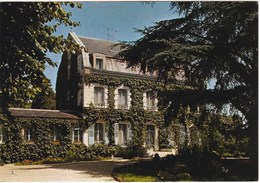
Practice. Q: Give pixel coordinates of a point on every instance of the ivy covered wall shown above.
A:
(137, 116)
(15, 149)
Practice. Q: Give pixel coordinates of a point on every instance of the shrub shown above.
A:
(132, 152)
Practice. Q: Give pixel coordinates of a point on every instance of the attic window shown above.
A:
(99, 63)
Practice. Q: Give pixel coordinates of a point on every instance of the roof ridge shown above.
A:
(98, 39)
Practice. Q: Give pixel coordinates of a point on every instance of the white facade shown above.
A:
(95, 57)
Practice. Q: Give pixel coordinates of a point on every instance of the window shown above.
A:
(123, 134)
(28, 134)
(150, 136)
(77, 135)
(150, 100)
(122, 99)
(3, 135)
(99, 97)
(99, 63)
(55, 134)
(99, 133)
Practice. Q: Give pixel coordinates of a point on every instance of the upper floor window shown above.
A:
(28, 134)
(3, 135)
(99, 97)
(99, 63)
(122, 99)
(150, 100)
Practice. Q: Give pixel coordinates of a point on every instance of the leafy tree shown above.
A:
(209, 41)
(26, 35)
(46, 99)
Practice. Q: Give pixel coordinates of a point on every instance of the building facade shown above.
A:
(99, 85)
(99, 101)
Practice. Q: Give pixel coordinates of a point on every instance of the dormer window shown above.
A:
(99, 63)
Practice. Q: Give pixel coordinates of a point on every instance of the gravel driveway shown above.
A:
(87, 171)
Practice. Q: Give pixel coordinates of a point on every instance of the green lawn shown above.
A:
(174, 169)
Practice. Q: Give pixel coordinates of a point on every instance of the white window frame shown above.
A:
(126, 134)
(121, 97)
(117, 104)
(55, 134)
(3, 135)
(99, 63)
(98, 103)
(150, 143)
(79, 134)
(28, 135)
(97, 134)
(150, 100)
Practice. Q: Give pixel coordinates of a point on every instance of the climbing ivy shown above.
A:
(15, 149)
(136, 115)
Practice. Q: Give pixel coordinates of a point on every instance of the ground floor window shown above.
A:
(150, 135)
(99, 133)
(76, 134)
(28, 134)
(55, 134)
(3, 135)
(123, 134)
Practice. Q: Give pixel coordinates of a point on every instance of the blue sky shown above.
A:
(122, 17)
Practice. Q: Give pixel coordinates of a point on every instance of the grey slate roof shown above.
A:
(43, 113)
(108, 48)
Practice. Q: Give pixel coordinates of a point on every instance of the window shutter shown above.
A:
(1, 135)
(116, 99)
(116, 133)
(144, 100)
(106, 135)
(72, 135)
(129, 136)
(128, 99)
(95, 96)
(29, 134)
(4, 135)
(85, 137)
(91, 135)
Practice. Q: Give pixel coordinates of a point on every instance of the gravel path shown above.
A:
(87, 171)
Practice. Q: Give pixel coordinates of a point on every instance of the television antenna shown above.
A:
(109, 30)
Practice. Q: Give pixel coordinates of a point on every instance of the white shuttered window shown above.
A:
(99, 97)
(122, 99)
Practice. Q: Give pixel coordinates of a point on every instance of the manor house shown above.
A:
(99, 100)
(95, 79)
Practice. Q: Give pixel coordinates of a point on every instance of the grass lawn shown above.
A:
(137, 172)
(148, 171)
(172, 170)
(131, 177)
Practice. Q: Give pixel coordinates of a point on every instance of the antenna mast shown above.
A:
(108, 32)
